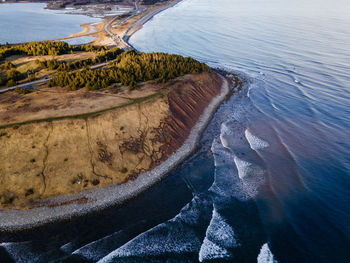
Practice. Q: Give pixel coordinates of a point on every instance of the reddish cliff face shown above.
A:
(187, 102)
(71, 155)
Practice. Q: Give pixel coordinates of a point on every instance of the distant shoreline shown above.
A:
(97, 30)
(78, 26)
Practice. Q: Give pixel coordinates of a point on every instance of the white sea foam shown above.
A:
(174, 236)
(191, 213)
(224, 141)
(235, 176)
(68, 247)
(227, 184)
(231, 135)
(251, 175)
(218, 239)
(225, 134)
(265, 255)
(244, 168)
(221, 232)
(255, 142)
(169, 237)
(210, 250)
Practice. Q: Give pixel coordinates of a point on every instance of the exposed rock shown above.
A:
(76, 154)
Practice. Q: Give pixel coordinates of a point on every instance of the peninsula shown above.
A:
(88, 126)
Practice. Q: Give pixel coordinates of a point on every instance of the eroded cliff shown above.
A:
(61, 156)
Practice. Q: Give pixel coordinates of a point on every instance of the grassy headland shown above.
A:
(89, 126)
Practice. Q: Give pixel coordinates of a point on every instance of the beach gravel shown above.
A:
(101, 198)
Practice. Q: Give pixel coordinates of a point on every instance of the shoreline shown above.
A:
(75, 205)
(94, 200)
(98, 32)
(87, 29)
(143, 20)
(119, 40)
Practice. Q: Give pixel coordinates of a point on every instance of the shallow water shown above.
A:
(26, 22)
(271, 179)
(79, 40)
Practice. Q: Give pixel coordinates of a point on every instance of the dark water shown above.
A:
(272, 176)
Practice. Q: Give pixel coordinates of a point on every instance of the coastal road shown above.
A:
(133, 28)
(25, 85)
(43, 80)
(116, 38)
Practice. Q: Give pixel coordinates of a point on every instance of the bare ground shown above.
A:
(45, 159)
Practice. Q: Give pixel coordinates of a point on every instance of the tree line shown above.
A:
(43, 48)
(9, 76)
(129, 69)
(103, 56)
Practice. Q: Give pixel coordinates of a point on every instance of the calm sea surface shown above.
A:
(26, 22)
(271, 181)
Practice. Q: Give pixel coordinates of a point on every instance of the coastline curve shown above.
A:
(101, 198)
(143, 20)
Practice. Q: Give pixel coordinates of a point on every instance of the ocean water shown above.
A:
(271, 180)
(288, 137)
(24, 22)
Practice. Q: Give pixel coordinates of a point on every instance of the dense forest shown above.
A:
(103, 56)
(9, 76)
(44, 48)
(129, 69)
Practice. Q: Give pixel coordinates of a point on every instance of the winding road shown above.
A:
(28, 85)
(116, 38)
(119, 40)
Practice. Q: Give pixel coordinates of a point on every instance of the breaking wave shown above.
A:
(266, 255)
(255, 142)
(219, 238)
(175, 237)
